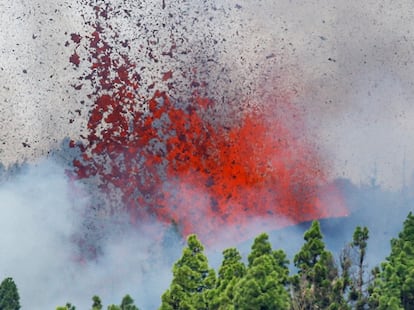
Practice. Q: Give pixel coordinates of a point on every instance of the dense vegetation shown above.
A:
(320, 281)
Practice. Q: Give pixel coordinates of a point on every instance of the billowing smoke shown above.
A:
(215, 117)
(42, 220)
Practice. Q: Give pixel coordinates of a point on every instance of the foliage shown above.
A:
(357, 294)
(318, 283)
(393, 287)
(263, 286)
(9, 295)
(192, 279)
(231, 271)
(97, 304)
(68, 306)
(128, 303)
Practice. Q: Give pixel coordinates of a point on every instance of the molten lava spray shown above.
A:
(185, 162)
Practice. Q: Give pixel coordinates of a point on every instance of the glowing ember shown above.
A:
(174, 162)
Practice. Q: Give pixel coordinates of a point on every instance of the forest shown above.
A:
(316, 278)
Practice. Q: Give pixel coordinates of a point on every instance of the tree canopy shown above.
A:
(192, 279)
(394, 280)
(264, 282)
(9, 295)
(264, 285)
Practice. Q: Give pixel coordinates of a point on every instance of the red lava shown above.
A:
(172, 162)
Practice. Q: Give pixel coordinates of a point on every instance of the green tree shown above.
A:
(97, 303)
(192, 279)
(230, 272)
(359, 245)
(317, 284)
(9, 295)
(393, 287)
(128, 303)
(68, 306)
(346, 263)
(264, 285)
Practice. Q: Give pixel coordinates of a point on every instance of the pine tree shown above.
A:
(393, 286)
(359, 246)
(263, 286)
(128, 303)
(317, 284)
(192, 279)
(9, 295)
(231, 271)
(68, 306)
(97, 303)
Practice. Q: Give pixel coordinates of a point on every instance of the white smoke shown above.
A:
(40, 215)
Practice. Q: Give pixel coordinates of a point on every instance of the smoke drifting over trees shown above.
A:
(41, 224)
(43, 220)
(266, 283)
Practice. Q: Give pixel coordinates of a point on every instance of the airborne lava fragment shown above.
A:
(172, 160)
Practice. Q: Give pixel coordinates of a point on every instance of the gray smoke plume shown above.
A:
(42, 217)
